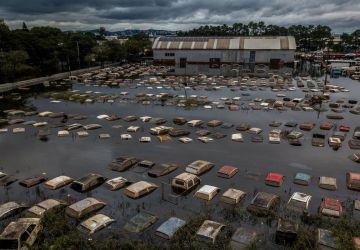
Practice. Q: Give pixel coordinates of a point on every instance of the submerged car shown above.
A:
(195, 123)
(10, 208)
(232, 196)
(139, 189)
(243, 238)
(207, 192)
(117, 183)
(20, 234)
(162, 169)
(168, 228)
(123, 163)
(146, 164)
(180, 120)
(88, 182)
(185, 182)
(6, 180)
(331, 207)
(160, 130)
(274, 179)
(227, 171)
(140, 222)
(58, 182)
(318, 140)
(199, 167)
(209, 231)
(299, 202)
(177, 132)
(353, 181)
(95, 223)
(33, 181)
(46, 206)
(262, 203)
(302, 179)
(328, 183)
(82, 208)
(286, 232)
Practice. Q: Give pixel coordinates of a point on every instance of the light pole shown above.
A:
(78, 53)
(67, 57)
(325, 62)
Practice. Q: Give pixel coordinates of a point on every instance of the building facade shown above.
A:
(207, 55)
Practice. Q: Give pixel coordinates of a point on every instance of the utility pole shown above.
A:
(78, 52)
(325, 61)
(68, 63)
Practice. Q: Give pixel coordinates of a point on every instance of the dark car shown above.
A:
(6, 180)
(180, 120)
(176, 132)
(88, 182)
(318, 140)
(123, 163)
(158, 121)
(32, 181)
(162, 169)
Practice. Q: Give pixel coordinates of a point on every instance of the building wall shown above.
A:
(198, 60)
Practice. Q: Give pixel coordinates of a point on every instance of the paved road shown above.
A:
(35, 81)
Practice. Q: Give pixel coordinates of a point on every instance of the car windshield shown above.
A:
(261, 202)
(180, 182)
(297, 204)
(9, 244)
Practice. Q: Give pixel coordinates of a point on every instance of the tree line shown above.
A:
(41, 51)
(308, 38)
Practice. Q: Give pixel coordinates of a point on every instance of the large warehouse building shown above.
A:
(208, 55)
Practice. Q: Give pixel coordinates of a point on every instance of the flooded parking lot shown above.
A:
(24, 155)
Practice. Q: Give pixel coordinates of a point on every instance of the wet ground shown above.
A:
(24, 155)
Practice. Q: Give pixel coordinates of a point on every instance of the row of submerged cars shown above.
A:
(243, 102)
(24, 230)
(165, 133)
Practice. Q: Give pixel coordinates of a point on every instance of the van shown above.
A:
(185, 182)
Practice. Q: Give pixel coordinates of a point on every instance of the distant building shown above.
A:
(206, 55)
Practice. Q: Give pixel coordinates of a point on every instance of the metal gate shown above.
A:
(168, 195)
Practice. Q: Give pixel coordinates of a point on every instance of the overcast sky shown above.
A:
(341, 15)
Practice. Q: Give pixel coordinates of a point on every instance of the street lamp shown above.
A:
(67, 56)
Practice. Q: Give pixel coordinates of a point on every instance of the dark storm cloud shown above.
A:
(180, 14)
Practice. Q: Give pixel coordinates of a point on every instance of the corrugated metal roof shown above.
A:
(224, 43)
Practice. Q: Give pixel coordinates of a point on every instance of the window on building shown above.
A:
(214, 63)
(182, 62)
(169, 54)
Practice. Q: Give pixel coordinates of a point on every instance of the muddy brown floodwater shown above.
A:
(24, 155)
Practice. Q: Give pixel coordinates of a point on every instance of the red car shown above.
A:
(274, 179)
(227, 171)
(331, 207)
(326, 126)
(344, 128)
